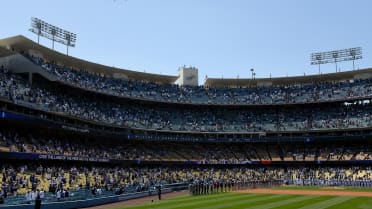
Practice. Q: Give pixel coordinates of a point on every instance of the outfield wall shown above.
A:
(87, 202)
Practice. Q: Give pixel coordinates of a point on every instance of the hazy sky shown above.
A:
(223, 38)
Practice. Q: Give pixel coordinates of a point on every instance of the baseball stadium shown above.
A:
(78, 134)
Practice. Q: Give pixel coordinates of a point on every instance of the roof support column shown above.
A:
(30, 78)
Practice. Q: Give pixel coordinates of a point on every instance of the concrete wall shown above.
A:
(17, 63)
(188, 76)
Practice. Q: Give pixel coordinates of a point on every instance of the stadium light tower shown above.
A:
(51, 32)
(356, 53)
(336, 56)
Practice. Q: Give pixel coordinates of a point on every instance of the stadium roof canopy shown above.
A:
(329, 77)
(20, 43)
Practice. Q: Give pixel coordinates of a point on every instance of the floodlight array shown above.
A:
(336, 56)
(44, 29)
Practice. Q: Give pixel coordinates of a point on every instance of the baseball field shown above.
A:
(267, 199)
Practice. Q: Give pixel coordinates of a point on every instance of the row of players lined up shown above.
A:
(186, 119)
(21, 179)
(205, 153)
(213, 186)
(174, 93)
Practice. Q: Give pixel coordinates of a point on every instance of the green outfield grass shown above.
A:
(324, 188)
(258, 201)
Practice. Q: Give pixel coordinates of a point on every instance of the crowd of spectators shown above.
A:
(64, 182)
(297, 93)
(353, 115)
(198, 153)
(69, 180)
(74, 146)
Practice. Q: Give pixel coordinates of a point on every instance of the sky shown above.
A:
(222, 38)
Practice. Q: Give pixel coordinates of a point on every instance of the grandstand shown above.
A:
(76, 130)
